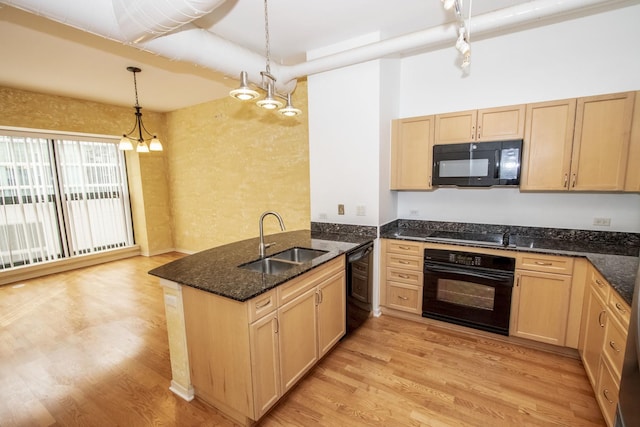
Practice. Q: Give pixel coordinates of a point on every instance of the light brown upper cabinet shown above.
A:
(601, 142)
(633, 164)
(548, 137)
(411, 145)
(490, 124)
(579, 145)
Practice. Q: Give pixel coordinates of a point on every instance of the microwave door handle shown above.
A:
(497, 168)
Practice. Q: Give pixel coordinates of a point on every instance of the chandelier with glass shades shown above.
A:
(135, 135)
(271, 100)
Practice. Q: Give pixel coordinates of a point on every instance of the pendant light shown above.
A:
(135, 134)
(271, 101)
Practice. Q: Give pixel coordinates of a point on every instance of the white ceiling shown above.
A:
(46, 56)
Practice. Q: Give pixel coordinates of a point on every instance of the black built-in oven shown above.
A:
(468, 289)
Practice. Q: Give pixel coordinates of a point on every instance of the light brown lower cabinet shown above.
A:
(546, 299)
(540, 305)
(401, 275)
(243, 357)
(603, 341)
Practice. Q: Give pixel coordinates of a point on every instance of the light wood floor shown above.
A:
(89, 348)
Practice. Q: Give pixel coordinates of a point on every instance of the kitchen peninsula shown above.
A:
(240, 339)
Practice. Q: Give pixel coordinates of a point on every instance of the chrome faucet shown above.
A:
(263, 246)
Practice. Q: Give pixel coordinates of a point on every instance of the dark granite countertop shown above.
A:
(619, 270)
(216, 270)
(614, 262)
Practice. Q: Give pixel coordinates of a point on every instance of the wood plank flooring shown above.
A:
(89, 348)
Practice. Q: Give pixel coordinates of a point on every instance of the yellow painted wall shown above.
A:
(147, 173)
(228, 162)
(225, 162)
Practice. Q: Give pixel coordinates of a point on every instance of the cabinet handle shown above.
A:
(275, 319)
(600, 322)
(321, 295)
(543, 263)
(403, 298)
(574, 178)
(612, 344)
(566, 181)
(404, 248)
(605, 393)
(473, 133)
(620, 309)
(599, 283)
(479, 132)
(401, 261)
(266, 303)
(403, 276)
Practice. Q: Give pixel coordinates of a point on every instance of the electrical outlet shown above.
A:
(604, 222)
(340, 209)
(361, 210)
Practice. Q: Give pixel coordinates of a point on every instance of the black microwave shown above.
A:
(477, 164)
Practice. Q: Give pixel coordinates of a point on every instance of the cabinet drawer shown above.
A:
(404, 276)
(403, 247)
(294, 287)
(607, 393)
(599, 283)
(402, 296)
(404, 262)
(262, 305)
(546, 263)
(619, 309)
(615, 343)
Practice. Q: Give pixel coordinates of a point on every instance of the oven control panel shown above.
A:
(464, 259)
(470, 259)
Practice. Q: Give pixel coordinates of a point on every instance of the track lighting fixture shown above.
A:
(464, 31)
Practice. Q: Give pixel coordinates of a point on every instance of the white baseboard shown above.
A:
(186, 394)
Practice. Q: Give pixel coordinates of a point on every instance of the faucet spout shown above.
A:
(263, 246)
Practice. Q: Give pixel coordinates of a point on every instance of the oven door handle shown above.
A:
(463, 272)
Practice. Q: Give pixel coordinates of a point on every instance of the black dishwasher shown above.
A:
(359, 286)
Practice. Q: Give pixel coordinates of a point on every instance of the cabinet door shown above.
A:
(265, 363)
(331, 300)
(601, 142)
(546, 160)
(632, 182)
(500, 124)
(297, 338)
(540, 306)
(453, 128)
(411, 153)
(593, 329)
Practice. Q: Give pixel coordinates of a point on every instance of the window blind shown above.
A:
(61, 197)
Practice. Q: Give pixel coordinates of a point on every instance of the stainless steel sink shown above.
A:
(283, 261)
(299, 254)
(269, 266)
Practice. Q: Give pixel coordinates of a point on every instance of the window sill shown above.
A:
(37, 270)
